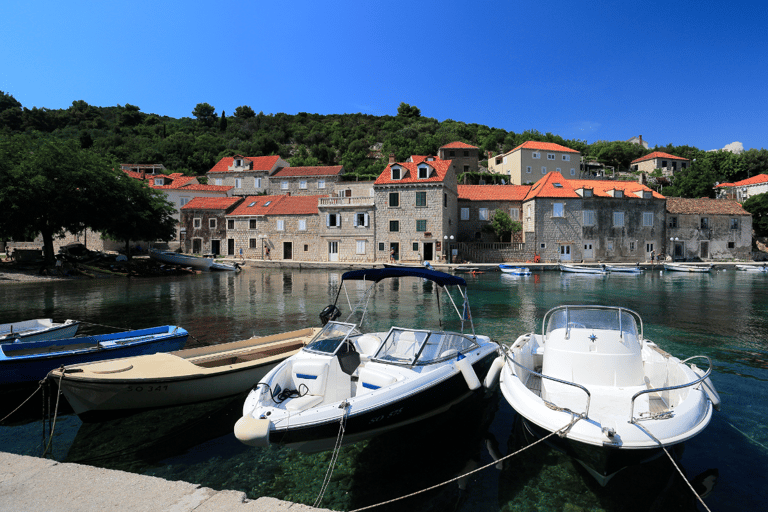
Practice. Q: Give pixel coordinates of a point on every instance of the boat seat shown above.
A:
(367, 344)
(303, 402)
(406, 346)
(311, 374)
(371, 379)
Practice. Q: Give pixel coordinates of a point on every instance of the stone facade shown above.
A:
(530, 161)
(305, 181)
(204, 225)
(246, 175)
(669, 164)
(465, 157)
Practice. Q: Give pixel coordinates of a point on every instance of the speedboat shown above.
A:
(752, 268)
(517, 271)
(621, 269)
(682, 267)
(581, 269)
(368, 383)
(39, 329)
(188, 260)
(614, 397)
(102, 389)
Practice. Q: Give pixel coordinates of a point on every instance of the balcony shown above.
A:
(340, 202)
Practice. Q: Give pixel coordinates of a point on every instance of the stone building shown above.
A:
(707, 229)
(742, 190)
(669, 164)
(298, 181)
(416, 208)
(531, 160)
(465, 157)
(477, 204)
(204, 225)
(349, 218)
(246, 175)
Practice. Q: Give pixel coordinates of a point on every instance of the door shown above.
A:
(649, 250)
(333, 251)
(704, 250)
(565, 252)
(429, 252)
(215, 247)
(679, 251)
(231, 246)
(287, 250)
(197, 246)
(394, 252)
(589, 252)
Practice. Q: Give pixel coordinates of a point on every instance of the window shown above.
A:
(466, 168)
(252, 224)
(649, 247)
(395, 173)
(184, 200)
(618, 193)
(609, 244)
(566, 158)
(230, 224)
(238, 182)
(415, 246)
(394, 226)
(361, 220)
(333, 220)
(673, 222)
(558, 209)
(550, 156)
(663, 163)
(212, 223)
(421, 199)
(197, 223)
(588, 217)
(451, 153)
(421, 225)
(466, 152)
(320, 183)
(478, 235)
(257, 182)
(705, 223)
(535, 155)
(587, 192)
(303, 184)
(445, 200)
(618, 219)
(647, 219)
(465, 214)
(543, 170)
(219, 181)
(159, 182)
(238, 163)
(302, 224)
(381, 246)
(528, 169)
(647, 194)
(514, 214)
(734, 223)
(731, 245)
(483, 214)
(394, 199)
(530, 209)
(360, 247)
(252, 243)
(423, 172)
(306, 247)
(573, 171)
(632, 246)
(281, 225)
(559, 170)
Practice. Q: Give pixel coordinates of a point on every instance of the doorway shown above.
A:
(565, 252)
(215, 247)
(333, 251)
(429, 251)
(589, 251)
(287, 250)
(394, 251)
(231, 246)
(704, 250)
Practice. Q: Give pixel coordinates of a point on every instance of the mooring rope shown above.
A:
(39, 387)
(55, 412)
(334, 455)
(676, 466)
(495, 462)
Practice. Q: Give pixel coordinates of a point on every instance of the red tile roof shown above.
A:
(600, 188)
(658, 154)
(211, 203)
(754, 180)
(493, 192)
(208, 188)
(278, 205)
(459, 145)
(410, 173)
(328, 170)
(705, 206)
(546, 187)
(260, 163)
(543, 146)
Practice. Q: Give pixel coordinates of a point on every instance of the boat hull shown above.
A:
(57, 331)
(581, 270)
(185, 260)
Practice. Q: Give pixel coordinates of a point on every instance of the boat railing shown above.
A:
(632, 418)
(541, 375)
(569, 308)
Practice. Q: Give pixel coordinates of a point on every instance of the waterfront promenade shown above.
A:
(31, 484)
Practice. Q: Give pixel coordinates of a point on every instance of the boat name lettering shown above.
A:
(139, 389)
(392, 414)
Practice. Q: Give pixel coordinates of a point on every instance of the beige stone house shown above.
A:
(531, 160)
(707, 229)
(304, 181)
(204, 225)
(669, 164)
(465, 157)
(246, 175)
(742, 190)
(349, 217)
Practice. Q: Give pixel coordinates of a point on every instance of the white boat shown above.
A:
(109, 388)
(581, 269)
(372, 382)
(622, 269)
(592, 366)
(188, 260)
(752, 268)
(683, 267)
(39, 329)
(517, 271)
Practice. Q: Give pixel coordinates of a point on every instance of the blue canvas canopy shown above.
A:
(377, 274)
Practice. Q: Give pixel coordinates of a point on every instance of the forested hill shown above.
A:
(192, 145)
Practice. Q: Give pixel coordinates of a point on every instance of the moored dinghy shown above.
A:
(39, 329)
(372, 382)
(581, 269)
(625, 396)
(682, 267)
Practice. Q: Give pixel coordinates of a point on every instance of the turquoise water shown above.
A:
(722, 315)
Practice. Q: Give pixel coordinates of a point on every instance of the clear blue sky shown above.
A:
(677, 72)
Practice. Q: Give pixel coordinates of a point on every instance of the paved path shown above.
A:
(31, 484)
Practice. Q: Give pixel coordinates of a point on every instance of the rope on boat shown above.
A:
(107, 326)
(39, 387)
(335, 454)
(494, 463)
(55, 413)
(675, 465)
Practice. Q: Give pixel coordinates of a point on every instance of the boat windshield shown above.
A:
(610, 319)
(330, 337)
(417, 347)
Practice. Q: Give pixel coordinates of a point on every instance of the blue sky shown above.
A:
(682, 72)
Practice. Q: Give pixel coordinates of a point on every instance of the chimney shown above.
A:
(391, 158)
(641, 140)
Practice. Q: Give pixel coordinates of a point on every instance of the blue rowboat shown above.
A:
(511, 269)
(25, 362)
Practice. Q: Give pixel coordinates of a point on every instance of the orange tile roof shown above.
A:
(459, 145)
(211, 203)
(543, 146)
(600, 188)
(546, 187)
(493, 192)
(257, 205)
(754, 180)
(657, 154)
(260, 163)
(278, 205)
(410, 173)
(706, 206)
(208, 188)
(327, 170)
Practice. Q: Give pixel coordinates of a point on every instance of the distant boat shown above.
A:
(682, 267)
(752, 268)
(39, 329)
(518, 271)
(29, 361)
(579, 269)
(188, 260)
(623, 269)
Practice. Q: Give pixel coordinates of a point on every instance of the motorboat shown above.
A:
(29, 361)
(623, 269)
(514, 270)
(188, 260)
(683, 267)
(614, 397)
(100, 390)
(369, 382)
(581, 269)
(752, 268)
(39, 329)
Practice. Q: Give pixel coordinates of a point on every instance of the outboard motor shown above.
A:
(329, 313)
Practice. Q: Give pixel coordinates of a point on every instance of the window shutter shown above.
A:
(338, 220)
(366, 220)
(327, 220)
(354, 220)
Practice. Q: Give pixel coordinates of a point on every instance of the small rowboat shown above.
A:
(752, 268)
(39, 329)
(579, 269)
(682, 267)
(518, 271)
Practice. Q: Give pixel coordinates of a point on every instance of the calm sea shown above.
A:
(723, 315)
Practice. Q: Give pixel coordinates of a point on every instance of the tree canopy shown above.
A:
(758, 207)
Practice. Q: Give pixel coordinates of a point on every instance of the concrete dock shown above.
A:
(31, 484)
